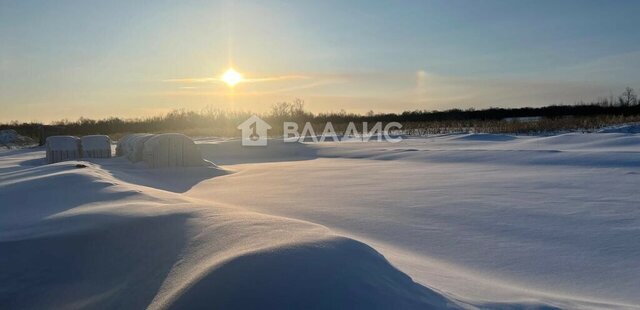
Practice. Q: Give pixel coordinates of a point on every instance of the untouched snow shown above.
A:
(81, 238)
(477, 221)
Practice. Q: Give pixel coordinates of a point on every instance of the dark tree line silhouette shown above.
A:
(216, 122)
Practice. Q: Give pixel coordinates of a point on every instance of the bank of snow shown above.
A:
(477, 221)
(81, 238)
(487, 218)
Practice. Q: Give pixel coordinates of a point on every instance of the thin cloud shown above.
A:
(278, 78)
(298, 87)
(244, 80)
(193, 80)
(193, 91)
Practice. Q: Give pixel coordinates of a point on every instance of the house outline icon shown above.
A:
(254, 131)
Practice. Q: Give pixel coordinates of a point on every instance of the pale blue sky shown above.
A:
(65, 59)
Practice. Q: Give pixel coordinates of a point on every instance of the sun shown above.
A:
(231, 77)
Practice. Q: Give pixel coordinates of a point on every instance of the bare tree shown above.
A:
(628, 97)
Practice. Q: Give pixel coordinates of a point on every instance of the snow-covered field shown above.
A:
(457, 221)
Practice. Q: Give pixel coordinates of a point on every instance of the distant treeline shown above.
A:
(216, 122)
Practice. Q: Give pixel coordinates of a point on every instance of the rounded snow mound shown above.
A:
(338, 273)
(90, 240)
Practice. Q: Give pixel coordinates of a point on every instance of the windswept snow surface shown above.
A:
(94, 238)
(453, 221)
(626, 128)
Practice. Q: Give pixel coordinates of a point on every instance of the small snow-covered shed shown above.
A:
(96, 146)
(171, 150)
(61, 148)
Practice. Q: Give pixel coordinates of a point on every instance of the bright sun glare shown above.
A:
(231, 77)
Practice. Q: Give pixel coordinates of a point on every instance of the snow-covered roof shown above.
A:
(94, 142)
(171, 150)
(66, 143)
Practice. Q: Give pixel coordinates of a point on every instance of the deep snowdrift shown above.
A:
(475, 220)
(80, 238)
(544, 220)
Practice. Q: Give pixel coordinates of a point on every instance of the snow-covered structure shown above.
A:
(161, 150)
(96, 146)
(10, 138)
(132, 146)
(137, 147)
(171, 150)
(61, 148)
(122, 145)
